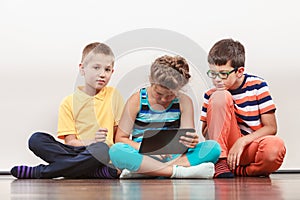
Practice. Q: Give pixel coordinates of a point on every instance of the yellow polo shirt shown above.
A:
(83, 115)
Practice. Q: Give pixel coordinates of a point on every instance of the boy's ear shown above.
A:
(81, 71)
(240, 71)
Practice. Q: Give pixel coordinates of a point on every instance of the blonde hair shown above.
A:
(96, 48)
(170, 72)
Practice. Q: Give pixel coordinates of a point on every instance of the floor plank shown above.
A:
(278, 186)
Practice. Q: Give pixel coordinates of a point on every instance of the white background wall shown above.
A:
(41, 44)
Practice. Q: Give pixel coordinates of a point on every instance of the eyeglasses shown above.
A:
(221, 75)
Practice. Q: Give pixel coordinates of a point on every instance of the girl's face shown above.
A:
(163, 95)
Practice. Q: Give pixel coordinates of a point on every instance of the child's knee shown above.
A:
(99, 151)
(36, 139)
(274, 149)
(215, 149)
(123, 156)
(208, 151)
(221, 99)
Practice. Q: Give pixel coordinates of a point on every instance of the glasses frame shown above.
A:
(218, 74)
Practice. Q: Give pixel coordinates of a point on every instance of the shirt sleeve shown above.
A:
(204, 106)
(66, 122)
(265, 101)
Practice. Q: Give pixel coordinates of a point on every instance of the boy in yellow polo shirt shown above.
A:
(87, 121)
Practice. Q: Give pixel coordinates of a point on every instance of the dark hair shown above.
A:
(227, 50)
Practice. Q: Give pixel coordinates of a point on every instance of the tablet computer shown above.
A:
(157, 142)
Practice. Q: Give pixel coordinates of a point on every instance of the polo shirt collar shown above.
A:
(100, 95)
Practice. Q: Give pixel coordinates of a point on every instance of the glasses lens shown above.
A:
(211, 74)
(223, 75)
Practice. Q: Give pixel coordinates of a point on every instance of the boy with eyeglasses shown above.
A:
(239, 113)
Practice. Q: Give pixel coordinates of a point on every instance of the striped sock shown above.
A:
(105, 172)
(23, 172)
(240, 171)
(222, 170)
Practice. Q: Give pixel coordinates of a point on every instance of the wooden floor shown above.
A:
(278, 186)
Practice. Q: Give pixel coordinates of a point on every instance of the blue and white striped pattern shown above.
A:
(148, 118)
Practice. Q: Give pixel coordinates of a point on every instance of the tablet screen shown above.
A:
(157, 142)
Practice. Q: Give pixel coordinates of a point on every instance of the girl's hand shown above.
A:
(190, 139)
(101, 135)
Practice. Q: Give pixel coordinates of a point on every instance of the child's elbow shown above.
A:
(273, 130)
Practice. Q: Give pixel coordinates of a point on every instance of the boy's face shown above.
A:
(234, 78)
(97, 72)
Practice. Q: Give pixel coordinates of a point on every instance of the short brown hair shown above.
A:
(227, 50)
(96, 48)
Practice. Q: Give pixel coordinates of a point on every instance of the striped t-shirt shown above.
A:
(251, 100)
(148, 118)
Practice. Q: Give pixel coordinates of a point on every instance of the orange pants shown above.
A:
(261, 157)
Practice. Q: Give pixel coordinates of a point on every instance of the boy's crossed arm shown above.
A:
(100, 136)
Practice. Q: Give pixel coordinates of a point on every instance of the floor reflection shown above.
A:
(247, 188)
(224, 189)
